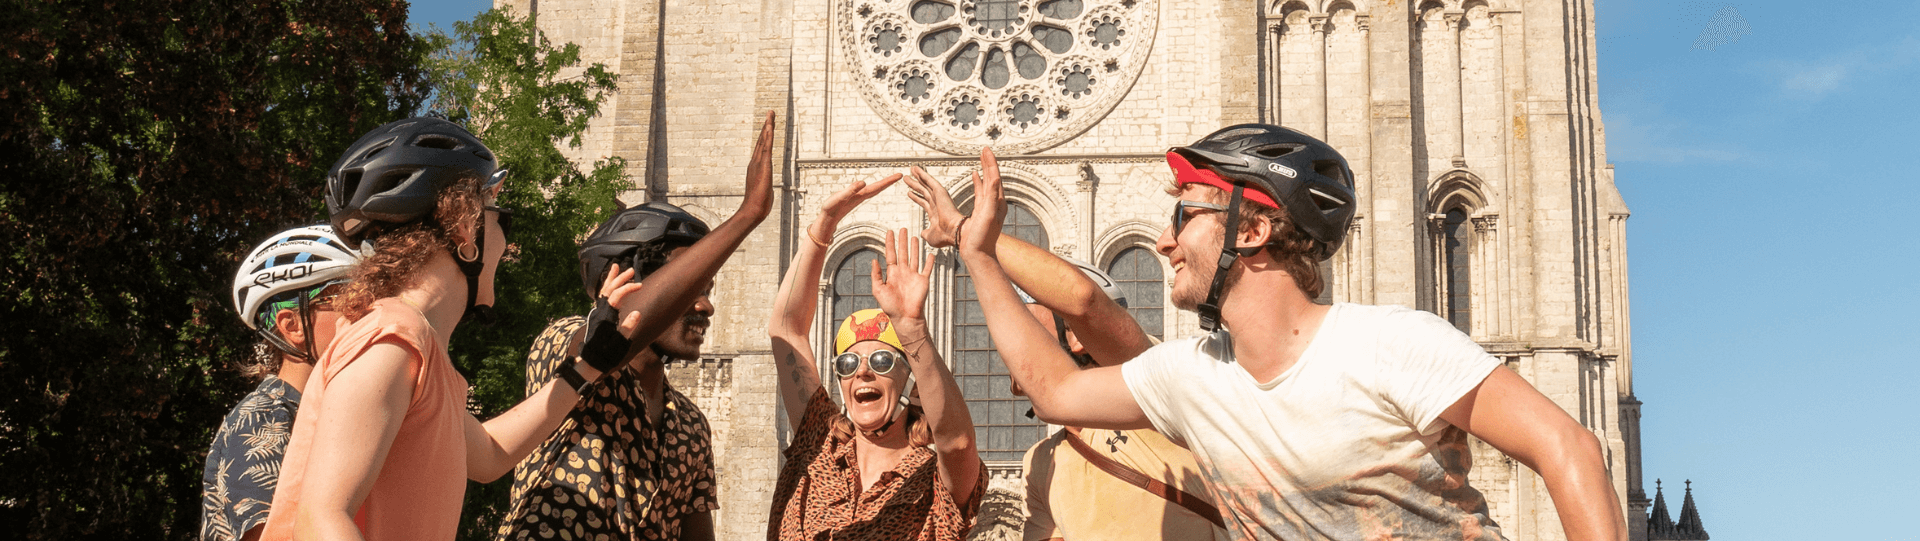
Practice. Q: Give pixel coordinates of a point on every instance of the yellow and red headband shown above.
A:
(1185, 173)
(864, 325)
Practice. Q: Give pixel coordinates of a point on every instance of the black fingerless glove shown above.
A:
(604, 347)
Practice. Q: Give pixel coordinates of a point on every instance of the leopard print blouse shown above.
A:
(606, 473)
(818, 496)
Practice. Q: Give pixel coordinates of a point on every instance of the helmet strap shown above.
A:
(892, 416)
(482, 314)
(1229, 252)
(306, 328)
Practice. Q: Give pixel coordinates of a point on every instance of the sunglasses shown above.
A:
(880, 362)
(1180, 212)
(506, 219)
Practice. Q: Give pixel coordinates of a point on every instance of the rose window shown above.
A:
(1021, 75)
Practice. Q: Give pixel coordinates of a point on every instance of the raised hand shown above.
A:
(842, 203)
(610, 329)
(982, 229)
(944, 229)
(759, 195)
(903, 294)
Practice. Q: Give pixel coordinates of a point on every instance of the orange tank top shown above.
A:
(418, 490)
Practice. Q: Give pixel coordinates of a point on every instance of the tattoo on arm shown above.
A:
(793, 368)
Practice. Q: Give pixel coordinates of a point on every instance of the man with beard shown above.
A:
(1308, 421)
(634, 459)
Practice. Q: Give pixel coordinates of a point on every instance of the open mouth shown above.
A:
(867, 395)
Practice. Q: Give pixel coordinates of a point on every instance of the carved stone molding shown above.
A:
(1021, 75)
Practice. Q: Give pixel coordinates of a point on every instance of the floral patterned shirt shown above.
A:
(818, 496)
(244, 464)
(607, 473)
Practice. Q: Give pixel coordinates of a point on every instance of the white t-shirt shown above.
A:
(1346, 444)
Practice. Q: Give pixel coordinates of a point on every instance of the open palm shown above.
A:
(903, 292)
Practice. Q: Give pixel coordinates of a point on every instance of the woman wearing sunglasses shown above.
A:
(847, 464)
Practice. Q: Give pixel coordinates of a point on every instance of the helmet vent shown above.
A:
(1326, 201)
(1277, 151)
(391, 180)
(1236, 134)
(434, 140)
(350, 183)
(375, 149)
(1332, 169)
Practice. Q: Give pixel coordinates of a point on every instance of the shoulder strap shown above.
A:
(1135, 478)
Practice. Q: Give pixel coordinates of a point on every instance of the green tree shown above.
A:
(524, 97)
(145, 147)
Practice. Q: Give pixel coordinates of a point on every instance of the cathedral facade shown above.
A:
(1472, 127)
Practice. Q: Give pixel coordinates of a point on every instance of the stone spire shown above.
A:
(1689, 526)
(1659, 523)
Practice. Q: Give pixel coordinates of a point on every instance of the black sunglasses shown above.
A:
(1180, 212)
(506, 219)
(880, 362)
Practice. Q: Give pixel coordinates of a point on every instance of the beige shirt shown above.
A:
(1071, 498)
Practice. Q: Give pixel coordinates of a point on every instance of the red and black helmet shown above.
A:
(1286, 168)
(393, 175)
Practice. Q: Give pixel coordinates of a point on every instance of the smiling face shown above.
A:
(871, 398)
(1194, 250)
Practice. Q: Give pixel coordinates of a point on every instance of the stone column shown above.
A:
(1083, 197)
(1397, 223)
(1489, 320)
(1452, 102)
(1316, 124)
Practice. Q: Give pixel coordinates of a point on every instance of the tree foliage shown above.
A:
(145, 146)
(524, 97)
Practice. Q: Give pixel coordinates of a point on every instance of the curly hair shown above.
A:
(1295, 251)
(400, 252)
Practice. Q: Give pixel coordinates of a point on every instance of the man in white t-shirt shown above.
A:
(1308, 421)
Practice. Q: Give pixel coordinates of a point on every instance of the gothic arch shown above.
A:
(1458, 188)
(1469, 281)
(1124, 235)
(1278, 8)
(850, 239)
(1031, 189)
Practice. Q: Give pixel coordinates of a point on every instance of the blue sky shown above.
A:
(1760, 147)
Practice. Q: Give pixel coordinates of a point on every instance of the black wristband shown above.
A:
(604, 347)
(570, 372)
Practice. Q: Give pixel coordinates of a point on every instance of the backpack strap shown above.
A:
(1135, 478)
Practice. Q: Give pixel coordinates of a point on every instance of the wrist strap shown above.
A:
(570, 372)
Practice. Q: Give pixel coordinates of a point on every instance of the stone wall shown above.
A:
(1484, 106)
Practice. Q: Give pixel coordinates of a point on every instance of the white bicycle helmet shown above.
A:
(283, 272)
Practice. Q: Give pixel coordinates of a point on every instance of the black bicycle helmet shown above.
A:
(1305, 175)
(393, 175)
(619, 240)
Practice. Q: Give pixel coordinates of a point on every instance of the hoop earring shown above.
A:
(464, 248)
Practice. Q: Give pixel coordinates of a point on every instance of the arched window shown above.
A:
(853, 284)
(852, 292)
(1456, 234)
(1137, 271)
(1002, 430)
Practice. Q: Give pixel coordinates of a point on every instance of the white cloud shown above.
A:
(1630, 141)
(1816, 81)
(1817, 78)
